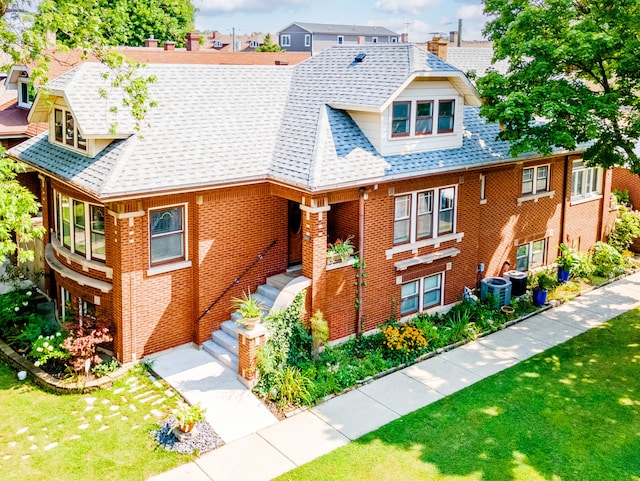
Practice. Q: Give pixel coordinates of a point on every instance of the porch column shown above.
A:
(314, 247)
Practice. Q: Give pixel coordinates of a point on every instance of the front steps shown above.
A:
(223, 344)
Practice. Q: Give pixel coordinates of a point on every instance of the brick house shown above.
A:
(247, 172)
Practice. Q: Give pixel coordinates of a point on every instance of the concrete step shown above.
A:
(221, 354)
(230, 327)
(280, 280)
(268, 292)
(230, 343)
(266, 302)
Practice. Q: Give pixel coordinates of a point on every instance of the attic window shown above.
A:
(26, 93)
(254, 44)
(217, 44)
(66, 132)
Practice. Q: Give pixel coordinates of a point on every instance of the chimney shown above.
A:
(438, 46)
(169, 46)
(193, 42)
(452, 37)
(151, 42)
(404, 38)
(360, 40)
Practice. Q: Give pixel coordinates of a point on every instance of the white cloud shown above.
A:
(213, 7)
(412, 7)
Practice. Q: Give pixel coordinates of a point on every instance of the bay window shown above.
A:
(74, 232)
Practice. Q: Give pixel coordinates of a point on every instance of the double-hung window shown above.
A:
(340, 40)
(585, 181)
(446, 113)
(424, 117)
(167, 234)
(307, 40)
(424, 214)
(80, 227)
(285, 40)
(401, 122)
(535, 179)
(421, 294)
(531, 255)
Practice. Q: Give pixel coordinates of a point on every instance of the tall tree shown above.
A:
(268, 45)
(574, 76)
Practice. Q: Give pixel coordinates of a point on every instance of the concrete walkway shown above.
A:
(282, 446)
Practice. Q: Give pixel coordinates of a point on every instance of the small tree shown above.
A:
(268, 45)
(82, 344)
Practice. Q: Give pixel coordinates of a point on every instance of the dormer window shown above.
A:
(254, 44)
(26, 92)
(416, 117)
(65, 130)
(217, 44)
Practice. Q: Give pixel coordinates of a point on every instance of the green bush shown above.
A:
(294, 388)
(607, 261)
(626, 228)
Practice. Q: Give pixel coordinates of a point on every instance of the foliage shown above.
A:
(268, 45)
(82, 343)
(105, 368)
(360, 282)
(607, 261)
(319, 334)
(294, 388)
(341, 248)
(16, 308)
(288, 345)
(19, 205)
(543, 280)
(459, 325)
(584, 267)
(626, 228)
(188, 414)
(403, 342)
(622, 197)
(247, 306)
(568, 258)
(46, 348)
(574, 64)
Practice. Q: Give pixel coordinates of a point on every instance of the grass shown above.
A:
(571, 413)
(100, 435)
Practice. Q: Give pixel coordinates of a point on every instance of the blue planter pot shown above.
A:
(563, 276)
(539, 297)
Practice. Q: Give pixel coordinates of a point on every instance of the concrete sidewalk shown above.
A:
(281, 447)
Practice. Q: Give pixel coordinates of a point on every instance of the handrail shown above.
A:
(237, 279)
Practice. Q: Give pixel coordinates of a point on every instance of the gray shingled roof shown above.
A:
(337, 29)
(477, 60)
(219, 124)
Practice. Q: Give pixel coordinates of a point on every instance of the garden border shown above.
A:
(50, 383)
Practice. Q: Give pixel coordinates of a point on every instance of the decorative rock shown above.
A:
(204, 439)
(22, 375)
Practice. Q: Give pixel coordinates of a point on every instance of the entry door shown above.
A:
(295, 233)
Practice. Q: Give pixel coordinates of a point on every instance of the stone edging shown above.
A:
(50, 383)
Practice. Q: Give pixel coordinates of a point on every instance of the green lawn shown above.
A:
(571, 413)
(97, 436)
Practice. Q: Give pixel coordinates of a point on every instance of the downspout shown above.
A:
(361, 199)
(563, 212)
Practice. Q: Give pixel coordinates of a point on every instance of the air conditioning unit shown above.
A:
(498, 287)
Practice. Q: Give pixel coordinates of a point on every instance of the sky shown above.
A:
(419, 18)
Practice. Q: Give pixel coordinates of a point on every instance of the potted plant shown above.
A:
(566, 261)
(187, 415)
(340, 250)
(249, 308)
(542, 282)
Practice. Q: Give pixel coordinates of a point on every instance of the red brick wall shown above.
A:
(342, 222)
(339, 307)
(624, 179)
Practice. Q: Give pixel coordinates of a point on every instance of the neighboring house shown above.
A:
(234, 43)
(157, 233)
(316, 37)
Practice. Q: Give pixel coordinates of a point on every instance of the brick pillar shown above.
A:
(249, 342)
(314, 248)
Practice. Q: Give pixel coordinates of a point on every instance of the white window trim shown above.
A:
(254, 44)
(534, 180)
(285, 40)
(69, 253)
(307, 40)
(340, 40)
(483, 189)
(52, 132)
(435, 109)
(585, 196)
(421, 307)
(21, 103)
(530, 253)
(374, 39)
(394, 39)
(170, 265)
(217, 44)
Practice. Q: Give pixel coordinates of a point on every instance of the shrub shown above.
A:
(82, 344)
(319, 334)
(607, 261)
(101, 370)
(294, 389)
(584, 267)
(15, 308)
(36, 326)
(626, 228)
(47, 348)
(404, 342)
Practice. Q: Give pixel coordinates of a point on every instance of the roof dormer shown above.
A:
(18, 79)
